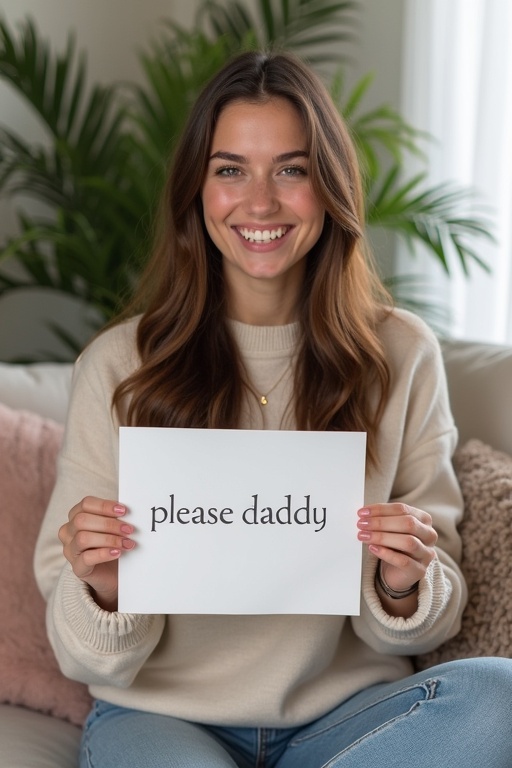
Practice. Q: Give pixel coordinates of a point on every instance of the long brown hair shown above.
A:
(191, 374)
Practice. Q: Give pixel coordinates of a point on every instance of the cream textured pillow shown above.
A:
(485, 477)
(29, 675)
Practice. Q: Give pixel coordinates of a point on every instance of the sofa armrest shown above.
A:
(480, 386)
(29, 739)
(39, 387)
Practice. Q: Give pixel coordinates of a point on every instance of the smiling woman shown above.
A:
(260, 283)
(260, 209)
(264, 150)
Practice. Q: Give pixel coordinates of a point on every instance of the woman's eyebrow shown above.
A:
(286, 156)
(230, 157)
(242, 160)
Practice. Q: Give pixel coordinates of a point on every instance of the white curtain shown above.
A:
(457, 85)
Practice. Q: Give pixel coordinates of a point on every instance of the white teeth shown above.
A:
(262, 235)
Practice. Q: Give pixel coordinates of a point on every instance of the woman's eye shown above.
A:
(227, 171)
(294, 170)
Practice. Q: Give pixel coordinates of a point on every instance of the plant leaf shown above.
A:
(431, 216)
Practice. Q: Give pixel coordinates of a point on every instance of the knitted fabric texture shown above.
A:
(485, 477)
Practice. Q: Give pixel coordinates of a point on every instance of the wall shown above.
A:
(111, 32)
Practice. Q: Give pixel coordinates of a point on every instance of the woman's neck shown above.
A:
(260, 306)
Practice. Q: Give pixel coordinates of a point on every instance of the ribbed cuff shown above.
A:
(433, 596)
(102, 631)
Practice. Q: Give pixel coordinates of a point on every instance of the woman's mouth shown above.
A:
(262, 235)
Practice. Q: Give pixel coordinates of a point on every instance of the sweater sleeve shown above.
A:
(417, 440)
(91, 645)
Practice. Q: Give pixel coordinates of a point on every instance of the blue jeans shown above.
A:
(457, 714)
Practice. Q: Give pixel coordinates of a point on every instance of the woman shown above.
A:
(260, 311)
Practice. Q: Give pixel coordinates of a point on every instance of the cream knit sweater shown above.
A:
(268, 671)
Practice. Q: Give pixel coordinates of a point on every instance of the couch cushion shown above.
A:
(39, 387)
(480, 384)
(29, 672)
(32, 740)
(485, 477)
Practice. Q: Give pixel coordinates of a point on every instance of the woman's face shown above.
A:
(259, 206)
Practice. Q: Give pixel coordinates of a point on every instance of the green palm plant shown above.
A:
(84, 174)
(312, 28)
(100, 171)
(428, 217)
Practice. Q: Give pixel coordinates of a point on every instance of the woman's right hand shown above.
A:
(93, 539)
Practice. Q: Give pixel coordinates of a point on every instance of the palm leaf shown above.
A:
(29, 169)
(381, 134)
(430, 216)
(175, 68)
(305, 26)
(101, 168)
(85, 129)
(70, 342)
(418, 294)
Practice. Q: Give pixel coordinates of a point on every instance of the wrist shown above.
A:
(394, 594)
(107, 601)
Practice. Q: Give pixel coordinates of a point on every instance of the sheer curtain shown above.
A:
(457, 85)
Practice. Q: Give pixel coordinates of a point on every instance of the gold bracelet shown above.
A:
(394, 594)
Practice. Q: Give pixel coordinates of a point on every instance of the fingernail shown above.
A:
(119, 509)
(128, 544)
(364, 512)
(363, 536)
(115, 552)
(125, 528)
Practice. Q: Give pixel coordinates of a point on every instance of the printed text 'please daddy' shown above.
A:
(291, 512)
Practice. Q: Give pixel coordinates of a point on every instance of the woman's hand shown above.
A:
(403, 538)
(93, 540)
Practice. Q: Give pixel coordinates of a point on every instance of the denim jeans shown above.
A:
(457, 714)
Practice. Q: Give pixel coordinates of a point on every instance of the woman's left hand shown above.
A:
(402, 537)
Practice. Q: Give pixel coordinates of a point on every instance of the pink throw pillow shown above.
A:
(29, 674)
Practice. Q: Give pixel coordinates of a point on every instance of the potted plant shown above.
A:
(98, 178)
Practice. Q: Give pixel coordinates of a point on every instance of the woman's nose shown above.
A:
(261, 198)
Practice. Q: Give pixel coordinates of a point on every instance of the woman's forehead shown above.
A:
(273, 122)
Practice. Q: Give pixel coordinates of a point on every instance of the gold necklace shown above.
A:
(263, 399)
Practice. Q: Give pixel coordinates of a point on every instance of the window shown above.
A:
(457, 86)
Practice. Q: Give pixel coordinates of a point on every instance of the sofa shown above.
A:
(40, 711)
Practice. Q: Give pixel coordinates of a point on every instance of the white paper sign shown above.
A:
(241, 521)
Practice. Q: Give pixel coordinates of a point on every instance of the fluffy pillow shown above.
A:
(485, 477)
(29, 675)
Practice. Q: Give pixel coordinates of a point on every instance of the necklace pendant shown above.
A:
(263, 400)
